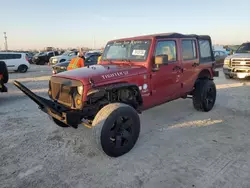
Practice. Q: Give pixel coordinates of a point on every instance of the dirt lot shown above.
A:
(177, 147)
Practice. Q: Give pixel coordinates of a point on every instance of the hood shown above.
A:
(62, 64)
(58, 56)
(103, 73)
(239, 55)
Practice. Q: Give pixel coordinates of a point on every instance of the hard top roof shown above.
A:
(166, 35)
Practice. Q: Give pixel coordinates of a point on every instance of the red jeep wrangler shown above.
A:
(135, 74)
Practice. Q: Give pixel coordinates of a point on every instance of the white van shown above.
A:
(15, 61)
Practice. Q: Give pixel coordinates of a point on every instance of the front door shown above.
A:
(165, 82)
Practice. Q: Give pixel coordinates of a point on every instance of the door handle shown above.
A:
(195, 64)
(176, 68)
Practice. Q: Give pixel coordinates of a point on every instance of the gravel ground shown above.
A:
(177, 147)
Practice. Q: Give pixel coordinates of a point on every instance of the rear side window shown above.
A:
(205, 51)
(10, 56)
(188, 49)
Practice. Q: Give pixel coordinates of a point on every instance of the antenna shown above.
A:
(5, 41)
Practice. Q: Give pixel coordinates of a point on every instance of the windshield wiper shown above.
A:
(126, 60)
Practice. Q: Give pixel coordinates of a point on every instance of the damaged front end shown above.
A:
(66, 104)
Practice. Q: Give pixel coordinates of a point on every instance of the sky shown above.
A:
(59, 23)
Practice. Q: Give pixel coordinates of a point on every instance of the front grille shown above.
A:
(64, 91)
(240, 62)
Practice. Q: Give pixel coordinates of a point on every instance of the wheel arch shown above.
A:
(110, 89)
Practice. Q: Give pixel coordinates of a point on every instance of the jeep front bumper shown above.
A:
(64, 114)
(238, 72)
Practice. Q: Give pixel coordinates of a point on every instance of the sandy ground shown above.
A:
(177, 147)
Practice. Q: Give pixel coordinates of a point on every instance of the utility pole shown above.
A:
(5, 41)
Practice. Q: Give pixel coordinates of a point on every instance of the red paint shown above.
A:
(163, 85)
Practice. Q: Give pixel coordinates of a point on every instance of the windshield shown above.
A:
(244, 48)
(67, 53)
(135, 50)
(41, 53)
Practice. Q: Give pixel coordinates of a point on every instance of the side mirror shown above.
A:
(160, 60)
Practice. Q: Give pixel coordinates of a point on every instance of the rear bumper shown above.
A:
(68, 116)
(236, 72)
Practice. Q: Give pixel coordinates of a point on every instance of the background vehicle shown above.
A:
(238, 64)
(134, 74)
(219, 57)
(30, 56)
(15, 61)
(90, 60)
(4, 76)
(66, 56)
(43, 57)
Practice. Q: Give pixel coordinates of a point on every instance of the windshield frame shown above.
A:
(129, 42)
(244, 44)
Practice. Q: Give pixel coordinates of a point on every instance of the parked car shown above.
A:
(219, 57)
(43, 57)
(30, 56)
(15, 61)
(61, 67)
(135, 74)
(238, 64)
(4, 76)
(66, 56)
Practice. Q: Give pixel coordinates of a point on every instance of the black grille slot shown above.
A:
(63, 90)
(237, 62)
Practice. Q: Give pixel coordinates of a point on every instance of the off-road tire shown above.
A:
(227, 76)
(204, 95)
(22, 69)
(104, 122)
(4, 72)
(59, 123)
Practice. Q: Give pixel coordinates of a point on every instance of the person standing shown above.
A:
(77, 62)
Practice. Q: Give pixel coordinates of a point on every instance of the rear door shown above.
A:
(190, 62)
(165, 82)
(16, 60)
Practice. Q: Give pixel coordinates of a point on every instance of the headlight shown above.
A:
(80, 89)
(226, 61)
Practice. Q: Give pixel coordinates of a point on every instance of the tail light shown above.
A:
(27, 59)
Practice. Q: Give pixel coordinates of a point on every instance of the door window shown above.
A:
(205, 51)
(167, 47)
(10, 56)
(188, 49)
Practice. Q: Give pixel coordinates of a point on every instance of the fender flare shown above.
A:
(109, 89)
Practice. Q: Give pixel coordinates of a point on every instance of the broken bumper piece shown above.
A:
(70, 117)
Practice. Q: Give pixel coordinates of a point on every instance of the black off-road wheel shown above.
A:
(22, 68)
(227, 76)
(204, 95)
(59, 123)
(4, 72)
(116, 129)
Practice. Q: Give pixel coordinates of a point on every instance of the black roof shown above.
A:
(180, 35)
